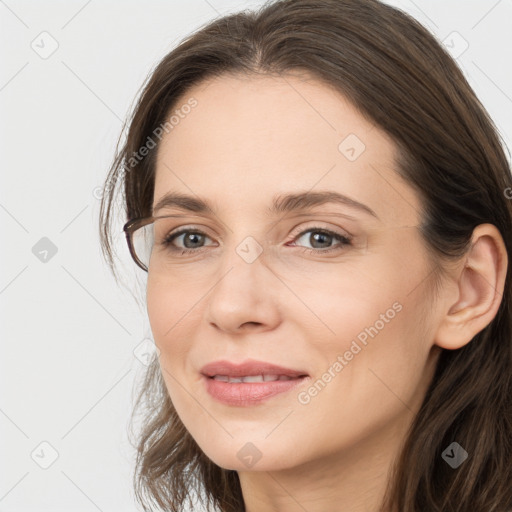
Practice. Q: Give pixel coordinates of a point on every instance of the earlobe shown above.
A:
(480, 281)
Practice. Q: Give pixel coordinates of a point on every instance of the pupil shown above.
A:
(187, 238)
(315, 237)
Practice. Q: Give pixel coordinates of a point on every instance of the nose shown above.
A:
(247, 297)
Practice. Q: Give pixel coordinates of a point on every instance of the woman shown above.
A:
(340, 338)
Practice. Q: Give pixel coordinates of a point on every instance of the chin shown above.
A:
(248, 456)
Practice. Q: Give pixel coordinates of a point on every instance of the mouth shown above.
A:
(254, 378)
(249, 383)
(250, 370)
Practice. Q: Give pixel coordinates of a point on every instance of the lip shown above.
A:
(249, 367)
(246, 394)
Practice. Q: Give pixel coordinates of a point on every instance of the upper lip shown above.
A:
(249, 367)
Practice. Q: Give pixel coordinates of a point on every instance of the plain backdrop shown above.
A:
(72, 341)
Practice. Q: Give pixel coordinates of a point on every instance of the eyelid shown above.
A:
(294, 232)
(189, 229)
(316, 225)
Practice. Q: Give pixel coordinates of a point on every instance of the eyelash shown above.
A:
(342, 238)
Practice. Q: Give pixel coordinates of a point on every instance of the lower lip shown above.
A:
(244, 394)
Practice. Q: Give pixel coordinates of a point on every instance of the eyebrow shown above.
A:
(280, 204)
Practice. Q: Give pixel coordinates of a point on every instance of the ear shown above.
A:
(480, 281)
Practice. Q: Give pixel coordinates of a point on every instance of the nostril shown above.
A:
(251, 324)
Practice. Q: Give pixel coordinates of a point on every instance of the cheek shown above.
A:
(369, 337)
(160, 312)
(349, 303)
(170, 313)
(371, 378)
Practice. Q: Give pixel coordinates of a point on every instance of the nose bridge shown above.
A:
(242, 294)
(246, 243)
(242, 268)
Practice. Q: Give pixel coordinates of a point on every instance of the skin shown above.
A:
(248, 139)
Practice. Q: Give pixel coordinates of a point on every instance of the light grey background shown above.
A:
(68, 333)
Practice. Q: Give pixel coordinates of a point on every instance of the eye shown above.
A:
(324, 238)
(321, 236)
(191, 238)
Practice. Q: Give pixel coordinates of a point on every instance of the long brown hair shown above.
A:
(397, 74)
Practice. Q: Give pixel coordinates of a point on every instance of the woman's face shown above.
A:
(262, 286)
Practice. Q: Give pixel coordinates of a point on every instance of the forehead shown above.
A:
(250, 138)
